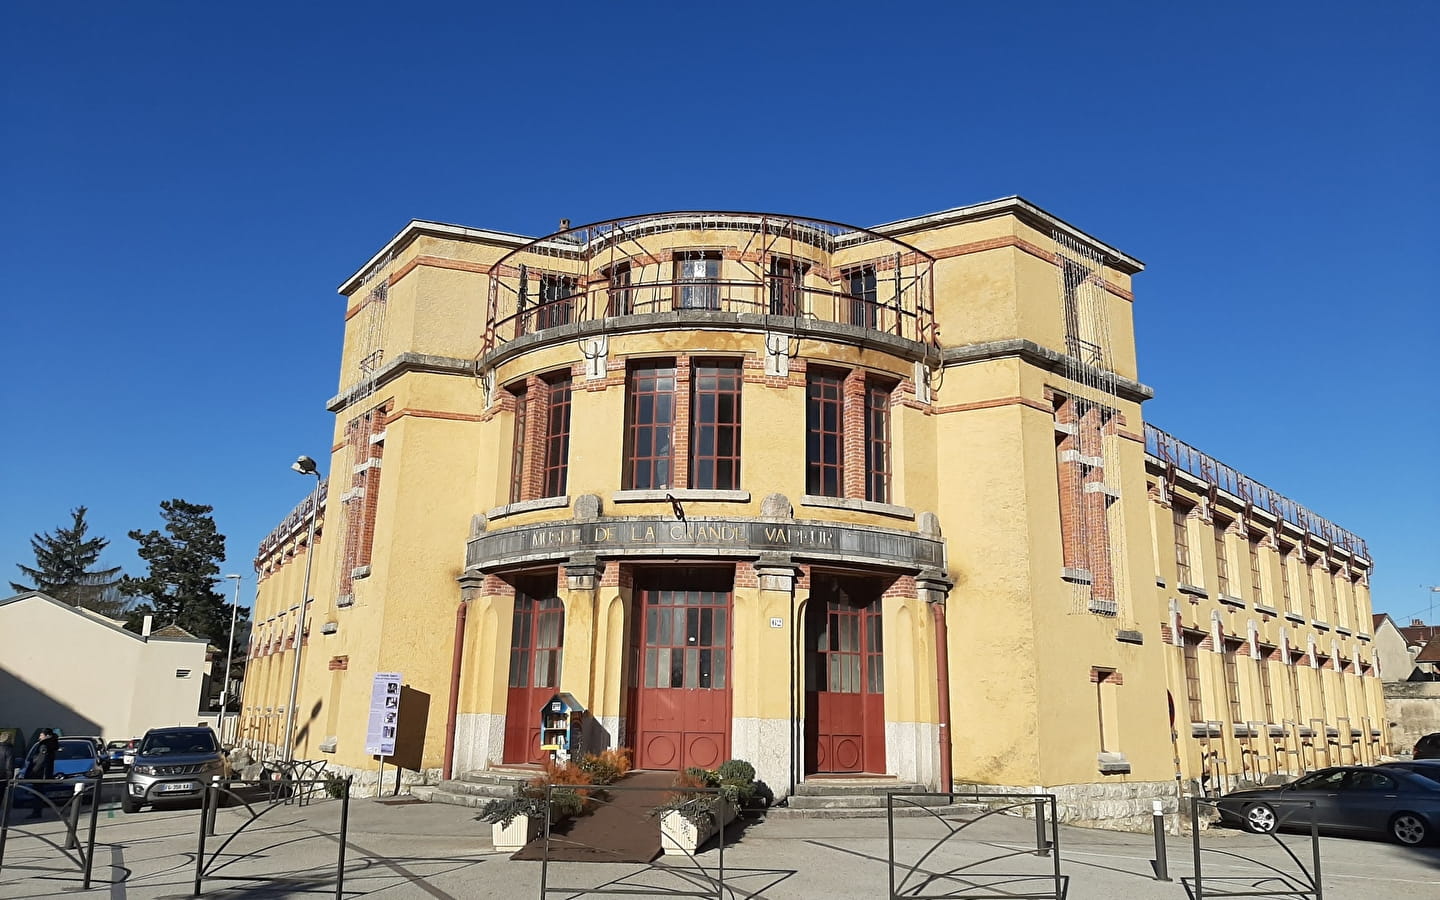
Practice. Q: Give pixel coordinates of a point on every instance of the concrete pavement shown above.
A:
(423, 850)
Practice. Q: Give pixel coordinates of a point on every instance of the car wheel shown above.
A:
(129, 804)
(1260, 819)
(1409, 829)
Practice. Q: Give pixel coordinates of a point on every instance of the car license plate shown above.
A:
(178, 786)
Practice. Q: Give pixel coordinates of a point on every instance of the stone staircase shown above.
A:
(474, 789)
(861, 798)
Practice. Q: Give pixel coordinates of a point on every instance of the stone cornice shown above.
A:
(1044, 357)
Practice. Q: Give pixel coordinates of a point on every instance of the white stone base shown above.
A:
(479, 741)
(1116, 805)
(764, 744)
(679, 835)
(521, 831)
(364, 784)
(912, 752)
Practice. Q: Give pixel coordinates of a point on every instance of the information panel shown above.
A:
(384, 714)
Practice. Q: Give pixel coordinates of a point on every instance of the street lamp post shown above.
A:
(305, 466)
(229, 658)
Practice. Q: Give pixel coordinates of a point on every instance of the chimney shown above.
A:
(564, 225)
(146, 626)
(1417, 623)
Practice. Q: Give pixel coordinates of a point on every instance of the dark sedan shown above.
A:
(1380, 800)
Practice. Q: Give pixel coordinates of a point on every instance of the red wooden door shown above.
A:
(536, 640)
(845, 688)
(682, 700)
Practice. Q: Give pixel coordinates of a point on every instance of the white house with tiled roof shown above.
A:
(75, 670)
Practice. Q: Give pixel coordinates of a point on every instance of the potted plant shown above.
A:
(702, 802)
(516, 821)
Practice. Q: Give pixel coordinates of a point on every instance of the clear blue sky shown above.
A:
(184, 185)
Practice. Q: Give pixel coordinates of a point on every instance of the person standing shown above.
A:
(42, 765)
(7, 757)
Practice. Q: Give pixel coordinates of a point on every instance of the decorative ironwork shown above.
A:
(740, 262)
(1172, 450)
(1273, 881)
(272, 793)
(976, 880)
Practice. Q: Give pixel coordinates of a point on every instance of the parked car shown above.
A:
(1429, 768)
(74, 758)
(173, 764)
(118, 754)
(1428, 747)
(1381, 800)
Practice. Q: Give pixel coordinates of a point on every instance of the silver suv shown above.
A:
(173, 764)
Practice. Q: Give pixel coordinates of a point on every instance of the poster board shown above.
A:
(384, 714)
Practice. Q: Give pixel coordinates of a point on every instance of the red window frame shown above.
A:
(537, 636)
(1179, 515)
(621, 297)
(556, 305)
(862, 295)
(850, 650)
(825, 433)
(696, 291)
(1222, 557)
(650, 426)
(686, 641)
(787, 285)
(877, 440)
(557, 436)
(517, 452)
(715, 415)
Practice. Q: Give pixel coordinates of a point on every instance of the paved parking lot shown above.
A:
(422, 850)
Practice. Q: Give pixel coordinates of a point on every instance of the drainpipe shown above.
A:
(455, 662)
(942, 686)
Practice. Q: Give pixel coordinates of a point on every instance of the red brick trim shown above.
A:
(991, 404)
(1109, 676)
(439, 262)
(433, 414)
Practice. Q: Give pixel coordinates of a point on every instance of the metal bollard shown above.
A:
(72, 824)
(214, 794)
(1159, 863)
(1042, 844)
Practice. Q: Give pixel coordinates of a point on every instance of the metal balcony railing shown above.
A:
(1186, 458)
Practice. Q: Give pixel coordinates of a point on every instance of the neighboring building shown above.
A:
(1393, 652)
(830, 499)
(69, 668)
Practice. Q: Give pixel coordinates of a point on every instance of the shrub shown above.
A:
(503, 812)
(736, 782)
(569, 796)
(607, 766)
(736, 771)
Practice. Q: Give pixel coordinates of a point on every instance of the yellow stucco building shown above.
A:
(830, 499)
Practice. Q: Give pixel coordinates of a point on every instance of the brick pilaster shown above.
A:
(852, 395)
(680, 434)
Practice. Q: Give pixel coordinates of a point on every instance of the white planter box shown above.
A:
(680, 835)
(520, 832)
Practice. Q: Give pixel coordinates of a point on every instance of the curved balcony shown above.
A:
(781, 268)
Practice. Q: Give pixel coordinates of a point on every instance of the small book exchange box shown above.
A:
(562, 727)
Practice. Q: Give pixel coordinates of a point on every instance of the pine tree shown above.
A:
(63, 568)
(184, 562)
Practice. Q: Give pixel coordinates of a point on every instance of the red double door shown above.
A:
(844, 680)
(537, 640)
(680, 693)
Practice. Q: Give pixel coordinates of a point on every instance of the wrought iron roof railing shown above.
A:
(749, 263)
(298, 517)
(1172, 450)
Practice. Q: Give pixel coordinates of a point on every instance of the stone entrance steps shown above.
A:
(474, 789)
(835, 798)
